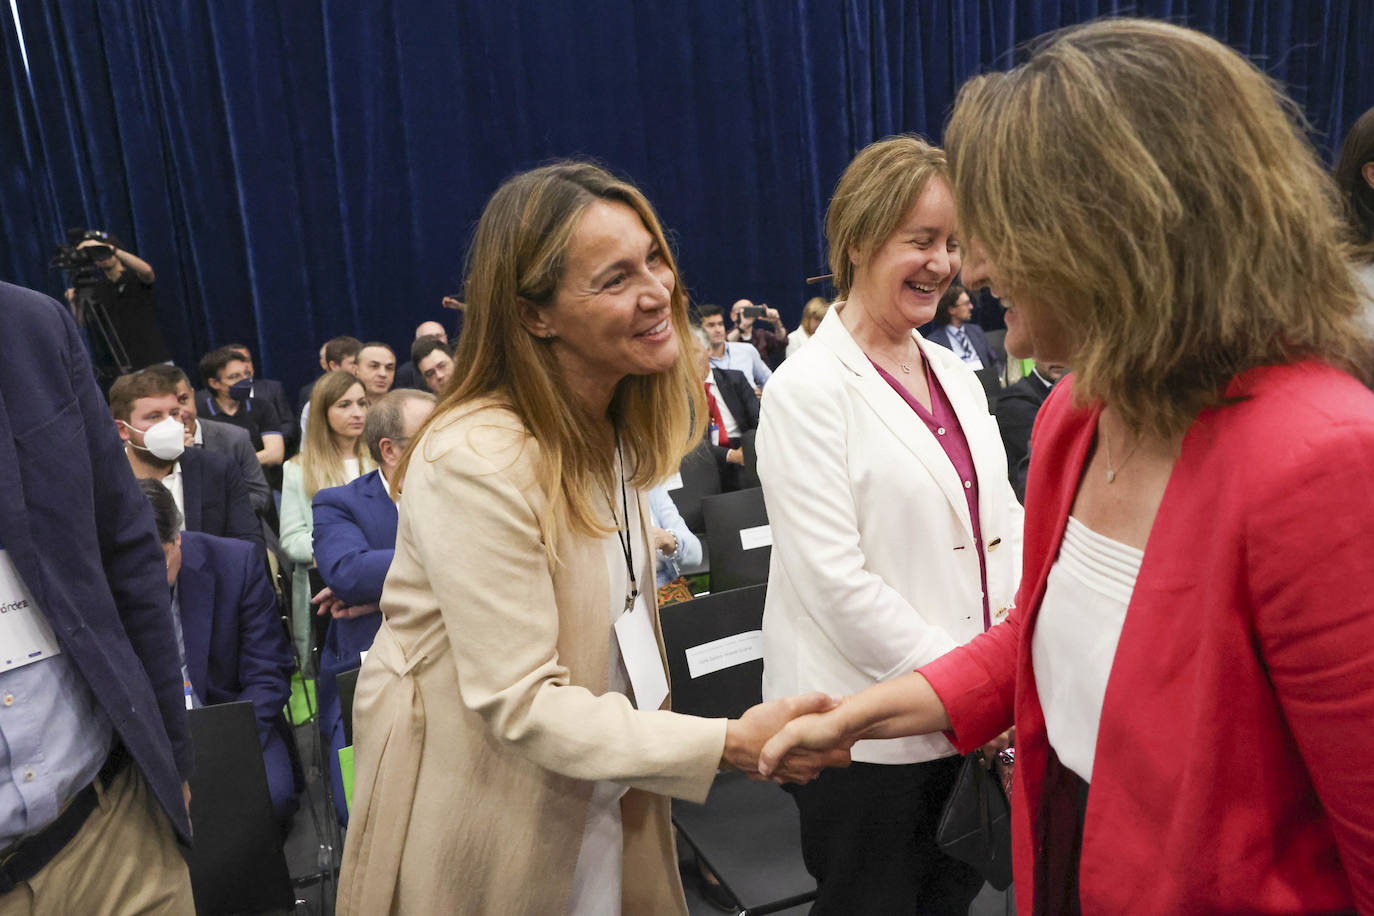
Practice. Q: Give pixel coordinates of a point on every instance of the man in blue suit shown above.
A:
(207, 486)
(355, 539)
(233, 645)
(93, 791)
(955, 330)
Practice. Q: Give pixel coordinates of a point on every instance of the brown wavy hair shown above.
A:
(877, 189)
(1156, 192)
(519, 252)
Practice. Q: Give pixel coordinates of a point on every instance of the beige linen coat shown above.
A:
(481, 718)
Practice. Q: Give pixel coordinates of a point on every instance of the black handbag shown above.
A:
(975, 826)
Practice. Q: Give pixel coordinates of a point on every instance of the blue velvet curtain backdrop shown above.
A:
(297, 170)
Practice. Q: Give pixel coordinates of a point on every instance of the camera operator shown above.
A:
(752, 326)
(126, 294)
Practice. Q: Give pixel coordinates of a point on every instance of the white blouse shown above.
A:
(1075, 638)
(597, 878)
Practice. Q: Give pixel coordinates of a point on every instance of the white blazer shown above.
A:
(874, 570)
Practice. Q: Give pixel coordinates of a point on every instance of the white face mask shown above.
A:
(165, 439)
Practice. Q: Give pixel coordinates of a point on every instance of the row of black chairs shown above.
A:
(733, 527)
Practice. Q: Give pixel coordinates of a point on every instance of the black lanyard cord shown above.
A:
(623, 533)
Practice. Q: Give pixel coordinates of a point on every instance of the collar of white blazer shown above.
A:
(965, 395)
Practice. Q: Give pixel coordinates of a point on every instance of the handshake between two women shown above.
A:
(793, 739)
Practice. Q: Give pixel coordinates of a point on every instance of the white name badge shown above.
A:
(754, 538)
(25, 634)
(719, 654)
(639, 650)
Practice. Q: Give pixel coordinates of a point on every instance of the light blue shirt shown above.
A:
(664, 514)
(54, 738)
(743, 357)
(963, 347)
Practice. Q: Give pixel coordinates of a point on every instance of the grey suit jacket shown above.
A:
(235, 442)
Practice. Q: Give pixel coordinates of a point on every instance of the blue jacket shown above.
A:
(81, 534)
(938, 333)
(216, 497)
(355, 537)
(236, 648)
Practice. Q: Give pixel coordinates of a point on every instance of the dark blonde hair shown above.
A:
(814, 311)
(320, 461)
(876, 191)
(1154, 192)
(519, 254)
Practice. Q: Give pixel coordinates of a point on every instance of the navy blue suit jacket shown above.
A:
(216, 498)
(236, 647)
(81, 535)
(355, 537)
(937, 333)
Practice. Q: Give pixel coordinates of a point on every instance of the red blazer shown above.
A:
(1234, 770)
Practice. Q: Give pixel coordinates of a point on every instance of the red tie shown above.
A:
(721, 438)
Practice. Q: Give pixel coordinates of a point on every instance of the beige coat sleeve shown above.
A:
(476, 530)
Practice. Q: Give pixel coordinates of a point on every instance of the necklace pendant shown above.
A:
(1111, 475)
(905, 367)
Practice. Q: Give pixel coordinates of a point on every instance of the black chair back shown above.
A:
(741, 541)
(700, 478)
(728, 691)
(237, 863)
(347, 682)
(747, 833)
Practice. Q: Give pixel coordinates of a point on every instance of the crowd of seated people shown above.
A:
(231, 476)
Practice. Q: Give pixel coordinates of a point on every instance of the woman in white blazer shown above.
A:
(892, 519)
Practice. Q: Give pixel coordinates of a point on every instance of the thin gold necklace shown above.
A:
(1107, 445)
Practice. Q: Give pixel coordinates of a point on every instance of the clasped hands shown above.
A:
(331, 604)
(788, 740)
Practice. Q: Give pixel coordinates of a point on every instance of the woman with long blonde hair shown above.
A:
(332, 454)
(1190, 667)
(514, 748)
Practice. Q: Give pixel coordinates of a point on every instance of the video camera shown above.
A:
(80, 263)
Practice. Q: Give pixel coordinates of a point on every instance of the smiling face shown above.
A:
(347, 415)
(900, 284)
(1033, 331)
(611, 314)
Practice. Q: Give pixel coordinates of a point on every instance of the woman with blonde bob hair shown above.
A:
(812, 313)
(896, 535)
(514, 747)
(1191, 663)
(332, 454)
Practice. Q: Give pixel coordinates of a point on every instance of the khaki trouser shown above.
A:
(123, 860)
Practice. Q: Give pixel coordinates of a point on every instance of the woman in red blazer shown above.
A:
(1191, 664)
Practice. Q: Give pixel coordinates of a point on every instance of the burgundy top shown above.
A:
(943, 424)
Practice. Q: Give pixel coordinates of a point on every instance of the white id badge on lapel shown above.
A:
(639, 649)
(25, 634)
